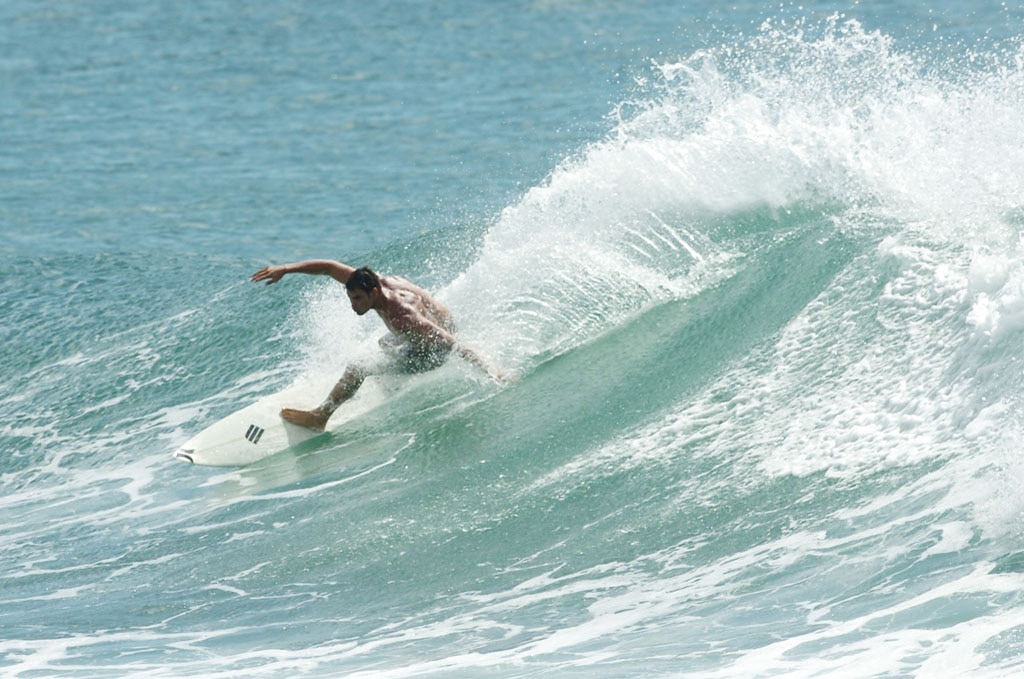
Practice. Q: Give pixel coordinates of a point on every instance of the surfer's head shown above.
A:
(363, 288)
(364, 279)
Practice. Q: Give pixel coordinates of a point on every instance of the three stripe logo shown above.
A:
(253, 434)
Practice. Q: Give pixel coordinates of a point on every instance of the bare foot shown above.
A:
(310, 419)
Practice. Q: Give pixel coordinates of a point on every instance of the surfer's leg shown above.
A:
(342, 391)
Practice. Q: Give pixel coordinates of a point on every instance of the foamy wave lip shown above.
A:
(802, 113)
(996, 283)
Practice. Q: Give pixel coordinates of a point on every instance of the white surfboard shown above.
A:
(257, 431)
(247, 435)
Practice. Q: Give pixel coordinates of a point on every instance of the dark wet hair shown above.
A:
(363, 279)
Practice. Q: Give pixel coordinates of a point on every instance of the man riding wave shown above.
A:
(421, 331)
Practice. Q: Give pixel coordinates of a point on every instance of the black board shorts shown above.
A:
(408, 359)
(414, 360)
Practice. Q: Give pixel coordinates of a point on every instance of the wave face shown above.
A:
(766, 335)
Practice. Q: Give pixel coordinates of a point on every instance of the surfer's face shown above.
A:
(361, 300)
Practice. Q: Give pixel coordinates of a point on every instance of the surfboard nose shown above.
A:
(184, 455)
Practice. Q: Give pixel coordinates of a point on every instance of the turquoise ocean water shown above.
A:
(757, 268)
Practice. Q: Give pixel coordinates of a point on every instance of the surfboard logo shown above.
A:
(253, 434)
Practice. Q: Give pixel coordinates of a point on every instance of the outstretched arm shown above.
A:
(316, 267)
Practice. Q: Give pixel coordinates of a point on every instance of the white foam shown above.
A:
(956, 536)
(996, 283)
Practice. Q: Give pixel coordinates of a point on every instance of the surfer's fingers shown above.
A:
(265, 274)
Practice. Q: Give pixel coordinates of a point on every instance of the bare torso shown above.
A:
(412, 314)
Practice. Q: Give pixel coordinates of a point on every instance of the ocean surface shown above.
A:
(756, 269)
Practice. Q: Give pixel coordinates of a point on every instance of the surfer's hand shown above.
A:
(270, 274)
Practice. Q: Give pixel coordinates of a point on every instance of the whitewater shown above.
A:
(764, 306)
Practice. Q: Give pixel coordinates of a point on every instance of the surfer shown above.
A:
(421, 330)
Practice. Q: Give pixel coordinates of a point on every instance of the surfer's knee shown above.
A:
(355, 372)
(352, 379)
